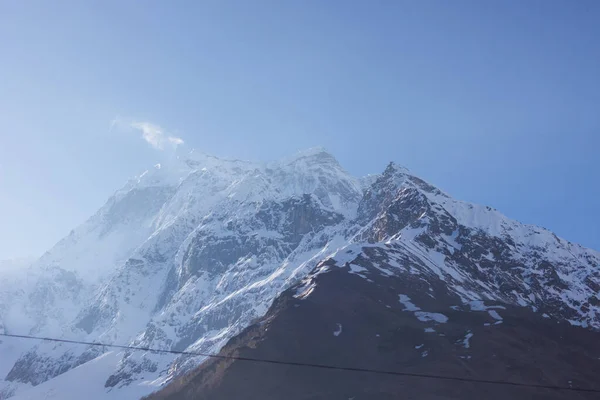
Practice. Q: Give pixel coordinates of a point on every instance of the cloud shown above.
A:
(175, 140)
(114, 123)
(118, 124)
(153, 134)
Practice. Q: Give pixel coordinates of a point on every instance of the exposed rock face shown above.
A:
(188, 255)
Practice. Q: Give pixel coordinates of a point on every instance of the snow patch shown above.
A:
(422, 316)
(495, 315)
(427, 317)
(338, 330)
(406, 302)
(479, 305)
(357, 269)
(466, 340)
(303, 291)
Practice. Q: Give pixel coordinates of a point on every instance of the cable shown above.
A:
(309, 365)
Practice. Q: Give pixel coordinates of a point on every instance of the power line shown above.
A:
(309, 365)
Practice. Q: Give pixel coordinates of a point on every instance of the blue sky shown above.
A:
(495, 102)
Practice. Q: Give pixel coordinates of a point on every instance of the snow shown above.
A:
(421, 315)
(384, 271)
(472, 215)
(357, 269)
(10, 351)
(573, 322)
(479, 305)
(435, 260)
(406, 302)
(452, 240)
(346, 254)
(338, 330)
(88, 380)
(429, 330)
(466, 340)
(303, 291)
(495, 315)
(427, 316)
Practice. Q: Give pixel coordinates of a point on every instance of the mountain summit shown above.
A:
(190, 253)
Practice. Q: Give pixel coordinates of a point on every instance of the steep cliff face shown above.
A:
(189, 254)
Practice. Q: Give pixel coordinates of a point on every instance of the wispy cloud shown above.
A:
(114, 123)
(175, 140)
(156, 136)
(153, 134)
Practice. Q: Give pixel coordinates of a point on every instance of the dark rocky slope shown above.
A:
(399, 322)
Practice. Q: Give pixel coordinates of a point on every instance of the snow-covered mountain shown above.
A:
(188, 254)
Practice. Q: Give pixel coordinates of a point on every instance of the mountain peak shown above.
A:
(311, 151)
(394, 169)
(313, 155)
